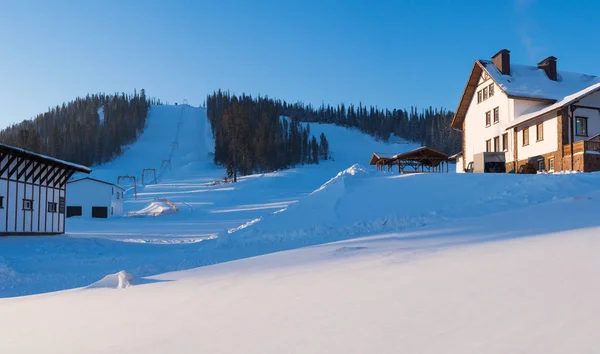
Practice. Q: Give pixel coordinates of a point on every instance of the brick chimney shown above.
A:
(502, 61)
(549, 66)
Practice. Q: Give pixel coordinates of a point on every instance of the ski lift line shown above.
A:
(171, 150)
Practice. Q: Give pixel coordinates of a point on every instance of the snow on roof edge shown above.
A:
(95, 180)
(75, 166)
(558, 105)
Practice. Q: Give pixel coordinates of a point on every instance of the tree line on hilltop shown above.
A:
(252, 135)
(75, 132)
(429, 127)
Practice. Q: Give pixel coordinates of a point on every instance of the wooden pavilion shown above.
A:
(423, 159)
(381, 160)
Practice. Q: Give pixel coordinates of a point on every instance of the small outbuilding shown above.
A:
(457, 159)
(93, 198)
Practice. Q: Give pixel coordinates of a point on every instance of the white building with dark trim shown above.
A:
(32, 192)
(528, 118)
(93, 198)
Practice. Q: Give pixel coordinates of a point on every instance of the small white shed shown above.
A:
(458, 161)
(93, 198)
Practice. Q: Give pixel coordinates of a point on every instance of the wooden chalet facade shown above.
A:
(526, 118)
(33, 192)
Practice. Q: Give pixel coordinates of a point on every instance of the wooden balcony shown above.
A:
(583, 146)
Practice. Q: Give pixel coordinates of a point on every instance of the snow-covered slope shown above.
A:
(423, 263)
(466, 286)
(192, 182)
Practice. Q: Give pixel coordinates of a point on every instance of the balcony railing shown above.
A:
(584, 146)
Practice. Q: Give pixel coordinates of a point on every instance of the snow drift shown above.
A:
(120, 280)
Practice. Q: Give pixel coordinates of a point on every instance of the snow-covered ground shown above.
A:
(334, 258)
(476, 286)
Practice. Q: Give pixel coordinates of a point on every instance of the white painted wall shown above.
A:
(536, 148)
(476, 131)
(519, 107)
(89, 193)
(459, 165)
(13, 218)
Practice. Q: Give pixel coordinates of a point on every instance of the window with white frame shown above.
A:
(488, 118)
(496, 115)
(551, 164)
(491, 90)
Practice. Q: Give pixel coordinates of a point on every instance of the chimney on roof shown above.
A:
(549, 66)
(502, 61)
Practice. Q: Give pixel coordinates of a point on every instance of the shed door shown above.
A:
(99, 212)
(73, 211)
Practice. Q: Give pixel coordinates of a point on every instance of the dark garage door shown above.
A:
(73, 211)
(99, 212)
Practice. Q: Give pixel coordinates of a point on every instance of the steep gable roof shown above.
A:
(525, 82)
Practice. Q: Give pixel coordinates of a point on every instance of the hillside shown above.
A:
(89, 130)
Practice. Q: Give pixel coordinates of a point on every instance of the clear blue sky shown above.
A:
(393, 54)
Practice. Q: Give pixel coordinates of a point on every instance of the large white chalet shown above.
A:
(528, 118)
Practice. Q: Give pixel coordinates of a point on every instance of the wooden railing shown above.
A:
(581, 147)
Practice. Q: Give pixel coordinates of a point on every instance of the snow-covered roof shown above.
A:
(46, 159)
(539, 111)
(528, 82)
(455, 156)
(95, 180)
(532, 82)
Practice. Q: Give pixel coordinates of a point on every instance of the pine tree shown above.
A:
(314, 149)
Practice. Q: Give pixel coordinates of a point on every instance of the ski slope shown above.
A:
(193, 183)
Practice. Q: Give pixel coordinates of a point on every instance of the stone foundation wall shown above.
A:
(591, 163)
(535, 161)
(578, 163)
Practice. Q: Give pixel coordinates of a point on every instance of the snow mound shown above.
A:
(120, 280)
(156, 208)
(354, 170)
(315, 214)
